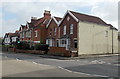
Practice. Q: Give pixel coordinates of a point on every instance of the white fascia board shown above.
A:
(73, 16)
(70, 14)
(63, 18)
(48, 23)
(55, 20)
(27, 25)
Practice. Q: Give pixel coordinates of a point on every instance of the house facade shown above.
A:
(53, 32)
(85, 34)
(118, 42)
(11, 38)
(76, 32)
(35, 31)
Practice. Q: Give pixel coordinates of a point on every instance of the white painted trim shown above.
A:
(51, 20)
(48, 23)
(27, 25)
(55, 20)
(73, 16)
(70, 14)
(36, 41)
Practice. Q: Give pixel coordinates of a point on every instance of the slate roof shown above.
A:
(58, 19)
(88, 18)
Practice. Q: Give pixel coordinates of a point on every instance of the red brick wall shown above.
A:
(38, 34)
(67, 23)
(43, 33)
(53, 25)
(60, 51)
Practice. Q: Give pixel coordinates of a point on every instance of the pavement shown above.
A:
(102, 66)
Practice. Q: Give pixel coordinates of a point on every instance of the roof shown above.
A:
(84, 17)
(39, 21)
(88, 18)
(56, 19)
(46, 21)
(12, 34)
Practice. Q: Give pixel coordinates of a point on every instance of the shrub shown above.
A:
(32, 48)
(23, 45)
(43, 47)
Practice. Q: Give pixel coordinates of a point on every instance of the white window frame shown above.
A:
(36, 33)
(23, 34)
(71, 28)
(14, 39)
(64, 30)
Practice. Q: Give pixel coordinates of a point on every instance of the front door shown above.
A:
(57, 43)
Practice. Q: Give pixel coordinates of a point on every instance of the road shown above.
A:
(33, 65)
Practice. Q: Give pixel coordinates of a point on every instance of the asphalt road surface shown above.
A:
(33, 65)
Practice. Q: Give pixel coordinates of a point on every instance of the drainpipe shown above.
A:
(112, 40)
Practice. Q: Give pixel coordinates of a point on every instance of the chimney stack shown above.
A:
(33, 19)
(47, 14)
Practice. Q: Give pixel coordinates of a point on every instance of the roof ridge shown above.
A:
(85, 14)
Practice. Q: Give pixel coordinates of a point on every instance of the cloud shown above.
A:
(108, 11)
(17, 12)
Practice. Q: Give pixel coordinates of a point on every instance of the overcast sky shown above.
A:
(14, 13)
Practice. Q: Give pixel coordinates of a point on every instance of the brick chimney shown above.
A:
(33, 19)
(47, 14)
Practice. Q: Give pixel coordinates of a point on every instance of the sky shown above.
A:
(16, 12)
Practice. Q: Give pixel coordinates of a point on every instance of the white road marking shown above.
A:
(64, 69)
(108, 63)
(18, 59)
(81, 72)
(34, 62)
(98, 62)
(40, 64)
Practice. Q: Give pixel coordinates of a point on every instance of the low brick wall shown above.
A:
(30, 51)
(59, 51)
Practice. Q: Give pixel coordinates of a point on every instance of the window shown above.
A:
(75, 43)
(14, 39)
(55, 29)
(64, 30)
(106, 33)
(29, 33)
(68, 18)
(63, 42)
(35, 33)
(50, 32)
(23, 34)
(71, 29)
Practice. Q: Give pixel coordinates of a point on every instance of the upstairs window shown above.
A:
(50, 32)
(23, 34)
(36, 32)
(71, 29)
(64, 30)
(55, 30)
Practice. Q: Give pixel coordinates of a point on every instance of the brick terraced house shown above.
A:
(35, 31)
(11, 38)
(53, 32)
(85, 34)
(75, 33)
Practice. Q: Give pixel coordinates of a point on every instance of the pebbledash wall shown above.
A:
(96, 39)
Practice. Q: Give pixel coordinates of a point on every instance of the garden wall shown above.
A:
(59, 51)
